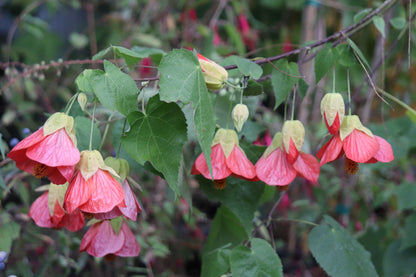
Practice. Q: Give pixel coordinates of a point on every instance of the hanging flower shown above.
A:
(214, 74)
(277, 168)
(47, 211)
(357, 143)
(93, 188)
(49, 152)
(102, 240)
(227, 158)
(333, 111)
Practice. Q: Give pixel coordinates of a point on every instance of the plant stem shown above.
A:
(92, 125)
(398, 101)
(122, 133)
(70, 103)
(107, 126)
(349, 91)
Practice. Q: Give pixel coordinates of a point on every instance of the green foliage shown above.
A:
(158, 136)
(324, 61)
(246, 67)
(406, 194)
(409, 235)
(216, 263)
(9, 231)
(260, 260)
(399, 262)
(338, 253)
(186, 84)
(284, 79)
(83, 129)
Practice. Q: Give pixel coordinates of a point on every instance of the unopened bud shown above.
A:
(214, 74)
(82, 100)
(333, 111)
(240, 115)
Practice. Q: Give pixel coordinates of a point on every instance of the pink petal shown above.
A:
(89, 236)
(31, 140)
(385, 152)
(55, 176)
(275, 170)
(307, 166)
(58, 214)
(360, 147)
(131, 247)
(39, 212)
(220, 169)
(335, 125)
(106, 193)
(238, 163)
(293, 152)
(105, 240)
(56, 149)
(332, 150)
(78, 193)
(74, 222)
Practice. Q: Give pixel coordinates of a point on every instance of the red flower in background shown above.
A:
(40, 213)
(249, 36)
(357, 143)
(101, 240)
(227, 158)
(93, 188)
(49, 152)
(145, 68)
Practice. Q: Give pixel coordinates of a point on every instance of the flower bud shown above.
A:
(120, 166)
(333, 111)
(82, 100)
(214, 74)
(293, 134)
(239, 115)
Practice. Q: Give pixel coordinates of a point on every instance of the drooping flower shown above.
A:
(239, 115)
(214, 74)
(293, 135)
(276, 166)
(47, 211)
(333, 111)
(93, 189)
(49, 152)
(357, 143)
(227, 158)
(102, 240)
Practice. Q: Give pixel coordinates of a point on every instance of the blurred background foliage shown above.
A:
(38, 41)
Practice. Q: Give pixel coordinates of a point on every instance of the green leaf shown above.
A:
(215, 263)
(399, 263)
(361, 15)
(226, 231)
(240, 196)
(358, 51)
(235, 38)
(82, 131)
(345, 55)
(406, 195)
(398, 23)
(374, 240)
(283, 83)
(155, 53)
(9, 230)
(247, 67)
(303, 88)
(181, 79)
(253, 88)
(380, 24)
(324, 61)
(131, 56)
(339, 253)
(101, 54)
(115, 89)
(261, 260)
(158, 136)
(409, 234)
(411, 114)
(2, 151)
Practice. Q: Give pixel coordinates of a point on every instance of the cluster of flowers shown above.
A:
(82, 187)
(283, 159)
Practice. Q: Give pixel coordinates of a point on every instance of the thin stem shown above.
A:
(295, 220)
(107, 126)
(269, 217)
(70, 103)
(333, 79)
(122, 133)
(398, 101)
(92, 125)
(232, 85)
(349, 91)
(293, 103)
(409, 32)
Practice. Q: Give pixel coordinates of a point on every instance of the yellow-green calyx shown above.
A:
(332, 104)
(58, 121)
(293, 129)
(239, 115)
(228, 139)
(90, 162)
(277, 142)
(120, 166)
(214, 74)
(350, 123)
(82, 100)
(56, 192)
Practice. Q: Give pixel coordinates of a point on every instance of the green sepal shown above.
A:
(116, 224)
(228, 139)
(276, 143)
(350, 123)
(58, 121)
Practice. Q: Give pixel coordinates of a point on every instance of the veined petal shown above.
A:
(275, 170)
(131, 247)
(27, 142)
(360, 147)
(307, 166)
(105, 240)
(58, 214)
(218, 162)
(89, 236)
(385, 152)
(106, 193)
(238, 163)
(332, 150)
(74, 222)
(78, 193)
(39, 212)
(57, 149)
(67, 172)
(55, 175)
